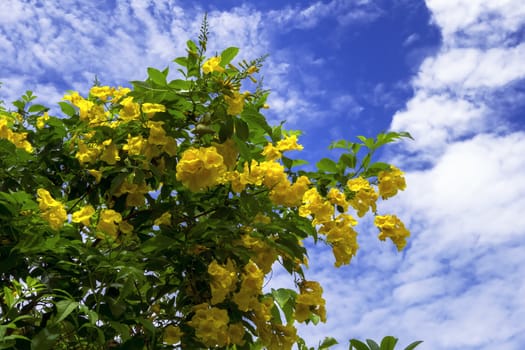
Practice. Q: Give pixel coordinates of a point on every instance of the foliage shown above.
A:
(151, 217)
(388, 343)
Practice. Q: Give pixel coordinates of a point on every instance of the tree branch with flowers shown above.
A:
(150, 217)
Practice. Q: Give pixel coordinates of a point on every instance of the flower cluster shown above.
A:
(201, 168)
(223, 280)
(110, 223)
(365, 196)
(393, 228)
(51, 210)
(19, 139)
(310, 301)
(390, 182)
(211, 325)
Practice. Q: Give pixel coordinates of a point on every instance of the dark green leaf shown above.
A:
(358, 345)
(372, 344)
(64, 308)
(226, 130)
(413, 345)
(241, 129)
(348, 159)
(45, 339)
(388, 343)
(254, 118)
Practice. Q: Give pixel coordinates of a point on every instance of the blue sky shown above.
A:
(450, 72)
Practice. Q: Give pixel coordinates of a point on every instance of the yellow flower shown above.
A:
(228, 151)
(390, 182)
(41, 121)
(200, 168)
(235, 103)
(157, 134)
(86, 154)
(125, 227)
(108, 222)
(130, 110)
(164, 219)
(151, 108)
(310, 300)
(236, 334)
(135, 145)
(52, 210)
(212, 65)
(314, 204)
(83, 215)
(365, 196)
(172, 335)
(119, 93)
(251, 284)
(211, 325)
(337, 197)
(97, 174)
(342, 237)
(110, 153)
(101, 92)
(19, 139)
(391, 227)
(289, 143)
(170, 147)
(223, 280)
(270, 152)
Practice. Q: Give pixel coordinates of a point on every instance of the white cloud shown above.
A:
(472, 68)
(477, 22)
(457, 283)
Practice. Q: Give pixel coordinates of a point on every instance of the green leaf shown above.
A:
(327, 165)
(191, 46)
(367, 141)
(348, 159)
(179, 84)
(182, 61)
(45, 339)
(37, 108)
(64, 308)
(228, 54)
(226, 130)
(358, 345)
(242, 130)
(328, 342)
(372, 344)
(283, 295)
(254, 118)
(341, 144)
(157, 76)
(413, 345)
(388, 343)
(67, 109)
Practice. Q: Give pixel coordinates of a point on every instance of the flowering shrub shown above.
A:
(151, 217)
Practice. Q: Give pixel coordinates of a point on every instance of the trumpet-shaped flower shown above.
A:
(51, 210)
(212, 65)
(392, 227)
